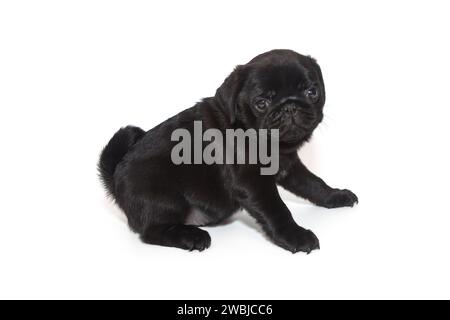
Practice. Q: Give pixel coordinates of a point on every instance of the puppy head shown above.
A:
(279, 89)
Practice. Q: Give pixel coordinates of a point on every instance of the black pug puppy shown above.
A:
(165, 203)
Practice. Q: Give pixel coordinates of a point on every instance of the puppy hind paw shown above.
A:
(192, 238)
(180, 236)
(199, 241)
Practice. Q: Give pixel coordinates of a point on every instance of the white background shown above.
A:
(73, 72)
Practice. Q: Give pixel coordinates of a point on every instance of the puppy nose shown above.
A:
(290, 108)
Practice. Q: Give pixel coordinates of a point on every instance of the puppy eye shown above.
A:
(262, 104)
(312, 93)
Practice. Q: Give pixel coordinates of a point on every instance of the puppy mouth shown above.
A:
(294, 122)
(294, 135)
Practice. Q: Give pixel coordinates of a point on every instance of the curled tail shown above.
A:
(114, 152)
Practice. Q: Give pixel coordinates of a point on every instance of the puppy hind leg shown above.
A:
(160, 219)
(177, 235)
(153, 208)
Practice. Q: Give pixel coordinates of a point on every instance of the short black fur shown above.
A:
(165, 203)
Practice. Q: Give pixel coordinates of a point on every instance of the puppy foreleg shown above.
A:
(261, 199)
(296, 178)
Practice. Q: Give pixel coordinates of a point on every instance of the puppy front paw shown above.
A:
(341, 198)
(297, 240)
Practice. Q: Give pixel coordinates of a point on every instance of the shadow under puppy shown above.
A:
(165, 202)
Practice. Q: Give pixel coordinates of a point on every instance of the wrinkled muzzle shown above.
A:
(295, 120)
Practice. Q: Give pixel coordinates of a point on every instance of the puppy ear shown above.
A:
(228, 92)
